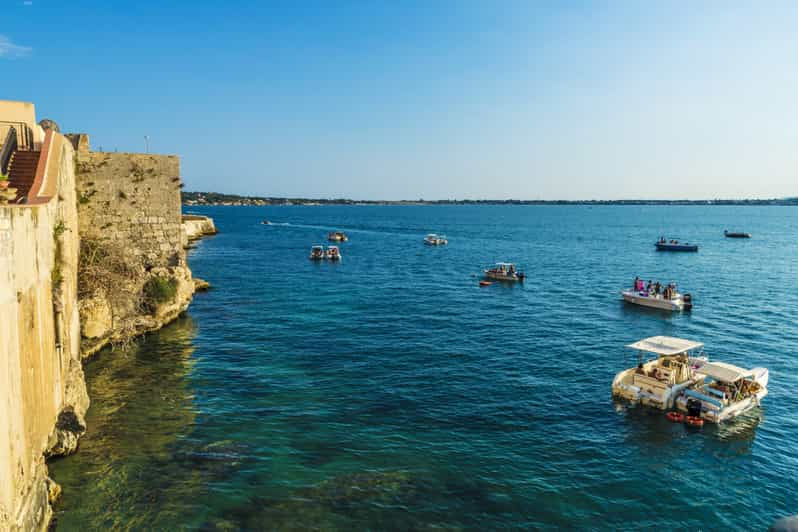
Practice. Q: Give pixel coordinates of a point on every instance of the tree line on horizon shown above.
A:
(219, 198)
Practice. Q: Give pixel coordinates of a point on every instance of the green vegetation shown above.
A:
(57, 276)
(3, 177)
(158, 290)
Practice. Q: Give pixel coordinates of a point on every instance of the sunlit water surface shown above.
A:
(392, 392)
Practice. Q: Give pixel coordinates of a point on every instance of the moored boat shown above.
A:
(332, 253)
(504, 271)
(317, 253)
(659, 381)
(337, 236)
(435, 240)
(731, 234)
(657, 296)
(674, 245)
(724, 392)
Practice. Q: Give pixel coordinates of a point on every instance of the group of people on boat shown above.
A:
(663, 240)
(655, 289)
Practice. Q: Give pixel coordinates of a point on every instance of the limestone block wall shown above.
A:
(132, 198)
(40, 372)
(130, 204)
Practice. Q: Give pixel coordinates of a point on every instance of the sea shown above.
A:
(391, 391)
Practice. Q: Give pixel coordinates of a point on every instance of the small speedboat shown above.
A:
(504, 271)
(337, 236)
(265, 222)
(435, 240)
(675, 302)
(332, 253)
(674, 245)
(317, 253)
(729, 234)
(724, 392)
(659, 381)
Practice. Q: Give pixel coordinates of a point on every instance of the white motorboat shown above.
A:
(675, 302)
(333, 253)
(725, 392)
(317, 253)
(659, 381)
(504, 271)
(337, 236)
(435, 240)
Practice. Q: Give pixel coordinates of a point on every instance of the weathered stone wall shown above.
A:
(41, 380)
(133, 199)
(130, 203)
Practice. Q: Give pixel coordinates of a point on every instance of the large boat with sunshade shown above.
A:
(666, 367)
(724, 392)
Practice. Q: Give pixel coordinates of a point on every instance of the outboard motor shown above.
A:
(688, 301)
(693, 407)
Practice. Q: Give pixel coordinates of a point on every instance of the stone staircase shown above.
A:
(22, 171)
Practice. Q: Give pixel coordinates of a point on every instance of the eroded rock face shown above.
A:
(68, 429)
(95, 317)
(201, 285)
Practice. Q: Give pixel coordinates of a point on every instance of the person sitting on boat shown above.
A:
(657, 287)
(511, 271)
(640, 370)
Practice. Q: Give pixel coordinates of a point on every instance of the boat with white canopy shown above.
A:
(333, 253)
(659, 380)
(724, 392)
(317, 252)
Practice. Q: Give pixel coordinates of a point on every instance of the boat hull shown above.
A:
(676, 247)
(636, 298)
(726, 413)
(647, 391)
(515, 278)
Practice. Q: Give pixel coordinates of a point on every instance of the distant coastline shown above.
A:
(216, 198)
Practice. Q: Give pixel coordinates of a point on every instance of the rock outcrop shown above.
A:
(197, 226)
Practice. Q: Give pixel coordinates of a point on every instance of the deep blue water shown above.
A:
(390, 391)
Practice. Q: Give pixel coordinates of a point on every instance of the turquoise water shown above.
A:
(391, 392)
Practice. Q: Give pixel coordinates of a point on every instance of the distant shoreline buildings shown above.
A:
(216, 198)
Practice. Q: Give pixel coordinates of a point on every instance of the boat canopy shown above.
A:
(723, 372)
(665, 345)
(504, 264)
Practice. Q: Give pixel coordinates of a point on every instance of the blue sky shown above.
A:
(432, 99)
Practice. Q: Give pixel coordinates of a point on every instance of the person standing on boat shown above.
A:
(648, 286)
(636, 283)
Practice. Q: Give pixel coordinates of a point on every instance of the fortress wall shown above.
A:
(41, 379)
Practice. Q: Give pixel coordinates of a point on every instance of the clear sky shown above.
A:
(425, 99)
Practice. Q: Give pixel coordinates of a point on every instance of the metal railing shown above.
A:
(8, 147)
(23, 132)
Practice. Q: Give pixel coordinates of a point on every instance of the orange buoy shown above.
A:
(694, 421)
(485, 283)
(676, 417)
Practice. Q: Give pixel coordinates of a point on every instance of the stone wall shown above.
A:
(129, 206)
(41, 379)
